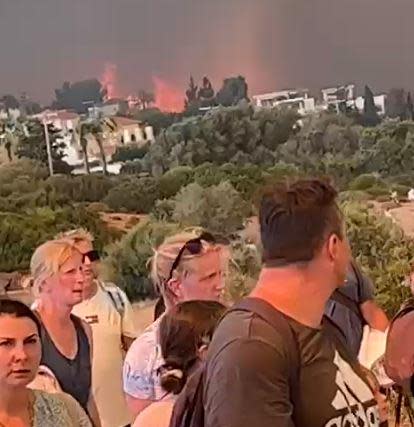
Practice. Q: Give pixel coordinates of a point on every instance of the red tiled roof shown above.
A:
(124, 121)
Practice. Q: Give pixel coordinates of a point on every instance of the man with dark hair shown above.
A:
(272, 362)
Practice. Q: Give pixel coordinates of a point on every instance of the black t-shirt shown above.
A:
(248, 375)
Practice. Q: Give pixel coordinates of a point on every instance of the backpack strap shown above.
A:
(279, 322)
(115, 297)
(349, 303)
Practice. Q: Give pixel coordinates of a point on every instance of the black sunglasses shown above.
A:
(194, 246)
(91, 255)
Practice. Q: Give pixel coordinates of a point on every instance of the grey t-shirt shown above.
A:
(350, 324)
(248, 375)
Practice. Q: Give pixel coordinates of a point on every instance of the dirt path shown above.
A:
(404, 217)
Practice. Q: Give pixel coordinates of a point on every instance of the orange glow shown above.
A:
(109, 80)
(168, 97)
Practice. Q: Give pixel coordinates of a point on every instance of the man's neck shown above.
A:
(91, 290)
(13, 401)
(295, 293)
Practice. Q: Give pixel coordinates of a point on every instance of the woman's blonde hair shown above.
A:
(48, 258)
(78, 235)
(167, 252)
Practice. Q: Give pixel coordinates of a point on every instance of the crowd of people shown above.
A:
(286, 355)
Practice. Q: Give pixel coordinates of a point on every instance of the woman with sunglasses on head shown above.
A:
(184, 333)
(57, 270)
(186, 266)
(20, 354)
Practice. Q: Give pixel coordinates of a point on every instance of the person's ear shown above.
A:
(202, 351)
(175, 288)
(333, 247)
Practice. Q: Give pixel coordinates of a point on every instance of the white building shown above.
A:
(63, 120)
(298, 99)
(379, 101)
(339, 97)
(110, 108)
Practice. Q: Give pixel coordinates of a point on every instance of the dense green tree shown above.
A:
(233, 91)
(33, 146)
(395, 105)
(10, 102)
(80, 95)
(370, 116)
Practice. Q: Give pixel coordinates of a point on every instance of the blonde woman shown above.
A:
(109, 313)
(187, 266)
(56, 267)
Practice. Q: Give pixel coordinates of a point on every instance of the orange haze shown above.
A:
(168, 98)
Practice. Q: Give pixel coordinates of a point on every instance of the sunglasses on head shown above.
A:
(91, 255)
(194, 246)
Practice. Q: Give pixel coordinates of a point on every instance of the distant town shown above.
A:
(123, 122)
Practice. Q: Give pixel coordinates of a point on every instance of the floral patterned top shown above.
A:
(58, 410)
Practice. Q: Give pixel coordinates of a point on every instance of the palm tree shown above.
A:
(79, 138)
(10, 133)
(96, 128)
(145, 99)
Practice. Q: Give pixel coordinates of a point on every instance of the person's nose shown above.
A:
(19, 353)
(80, 275)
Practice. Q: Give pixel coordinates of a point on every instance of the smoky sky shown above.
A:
(274, 43)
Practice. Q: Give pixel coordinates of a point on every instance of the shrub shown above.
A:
(20, 234)
(130, 152)
(137, 195)
(133, 167)
(83, 188)
(244, 269)
(365, 182)
(354, 196)
(378, 190)
(174, 180)
(382, 250)
(402, 190)
(219, 209)
(126, 264)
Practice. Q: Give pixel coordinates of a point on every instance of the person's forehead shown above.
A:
(84, 246)
(16, 327)
(74, 260)
(208, 262)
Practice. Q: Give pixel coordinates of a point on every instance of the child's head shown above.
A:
(185, 331)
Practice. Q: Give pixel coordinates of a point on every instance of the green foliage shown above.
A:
(366, 181)
(127, 261)
(219, 209)
(233, 91)
(79, 96)
(244, 269)
(130, 152)
(20, 234)
(136, 195)
(240, 135)
(33, 146)
(384, 252)
(370, 116)
(173, 180)
(156, 118)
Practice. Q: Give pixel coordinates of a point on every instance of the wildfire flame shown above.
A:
(167, 97)
(109, 80)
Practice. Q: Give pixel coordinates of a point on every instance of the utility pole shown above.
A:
(49, 151)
